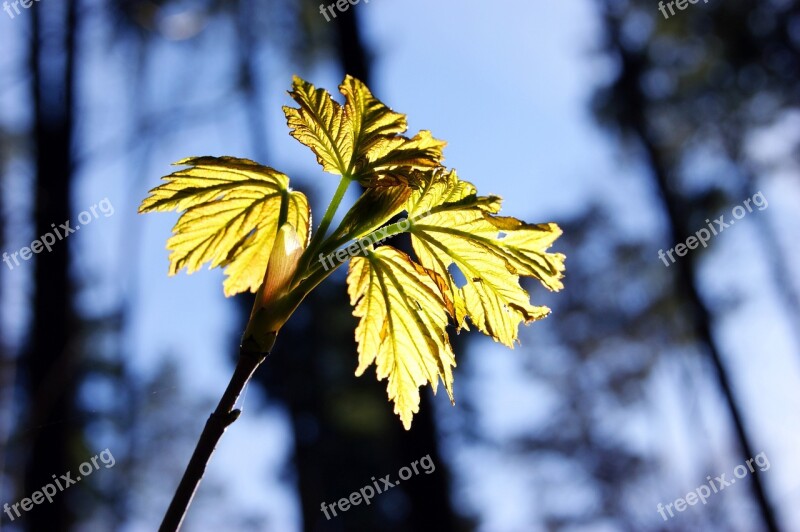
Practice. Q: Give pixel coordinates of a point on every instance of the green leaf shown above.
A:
(319, 123)
(360, 139)
(452, 225)
(398, 160)
(402, 314)
(233, 208)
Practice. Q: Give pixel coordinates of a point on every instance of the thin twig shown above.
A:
(220, 420)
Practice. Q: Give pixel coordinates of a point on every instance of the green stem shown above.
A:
(338, 196)
(384, 233)
(389, 231)
(319, 234)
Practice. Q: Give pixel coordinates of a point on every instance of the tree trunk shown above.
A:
(51, 362)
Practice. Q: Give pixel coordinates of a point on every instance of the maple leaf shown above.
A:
(402, 327)
(232, 209)
(451, 224)
(361, 139)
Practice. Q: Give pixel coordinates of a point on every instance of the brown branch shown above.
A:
(220, 420)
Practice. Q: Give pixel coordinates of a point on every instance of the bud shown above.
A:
(272, 308)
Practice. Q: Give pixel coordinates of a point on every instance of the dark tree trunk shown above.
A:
(50, 360)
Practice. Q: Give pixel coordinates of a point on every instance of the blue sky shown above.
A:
(508, 88)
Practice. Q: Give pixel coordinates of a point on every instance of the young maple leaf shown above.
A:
(243, 216)
(452, 225)
(231, 215)
(402, 327)
(361, 139)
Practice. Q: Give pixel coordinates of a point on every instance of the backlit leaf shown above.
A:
(360, 139)
(402, 326)
(231, 215)
(452, 225)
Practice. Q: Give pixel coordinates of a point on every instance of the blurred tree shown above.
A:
(598, 365)
(588, 435)
(52, 359)
(70, 360)
(712, 75)
(702, 82)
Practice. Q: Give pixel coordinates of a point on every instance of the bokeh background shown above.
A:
(627, 128)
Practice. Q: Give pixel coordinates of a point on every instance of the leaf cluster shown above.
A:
(244, 217)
